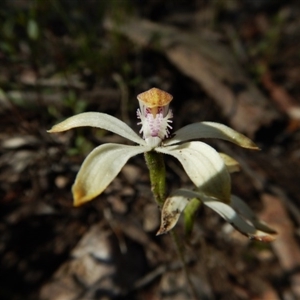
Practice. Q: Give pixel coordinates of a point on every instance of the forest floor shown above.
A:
(233, 62)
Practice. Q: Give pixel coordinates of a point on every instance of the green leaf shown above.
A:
(190, 213)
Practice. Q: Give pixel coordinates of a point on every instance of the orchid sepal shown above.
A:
(204, 166)
(99, 168)
(202, 130)
(99, 120)
(231, 164)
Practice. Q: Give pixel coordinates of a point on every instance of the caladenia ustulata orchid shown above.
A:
(207, 169)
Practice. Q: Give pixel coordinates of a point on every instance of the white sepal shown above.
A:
(239, 223)
(231, 164)
(231, 216)
(204, 166)
(202, 130)
(242, 207)
(99, 120)
(100, 167)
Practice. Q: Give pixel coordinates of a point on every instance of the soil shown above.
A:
(59, 59)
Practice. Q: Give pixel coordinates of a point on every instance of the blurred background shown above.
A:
(231, 61)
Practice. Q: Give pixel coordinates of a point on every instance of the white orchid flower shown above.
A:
(236, 212)
(205, 166)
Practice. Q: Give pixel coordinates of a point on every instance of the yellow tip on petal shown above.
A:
(245, 142)
(155, 98)
(56, 128)
(80, 195)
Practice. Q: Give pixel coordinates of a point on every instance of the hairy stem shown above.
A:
(157, 170)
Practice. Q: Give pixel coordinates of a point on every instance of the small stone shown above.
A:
(131, 173)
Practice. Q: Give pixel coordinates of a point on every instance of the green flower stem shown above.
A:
(157, 170)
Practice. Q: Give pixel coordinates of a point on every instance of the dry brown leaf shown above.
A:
(285, 246)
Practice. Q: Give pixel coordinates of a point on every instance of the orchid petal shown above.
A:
(231, 164)
(100, 167)
(231, 216)
(228, 213)
(210, 130)
(242, 207)
(99, 120)
(204, 166)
